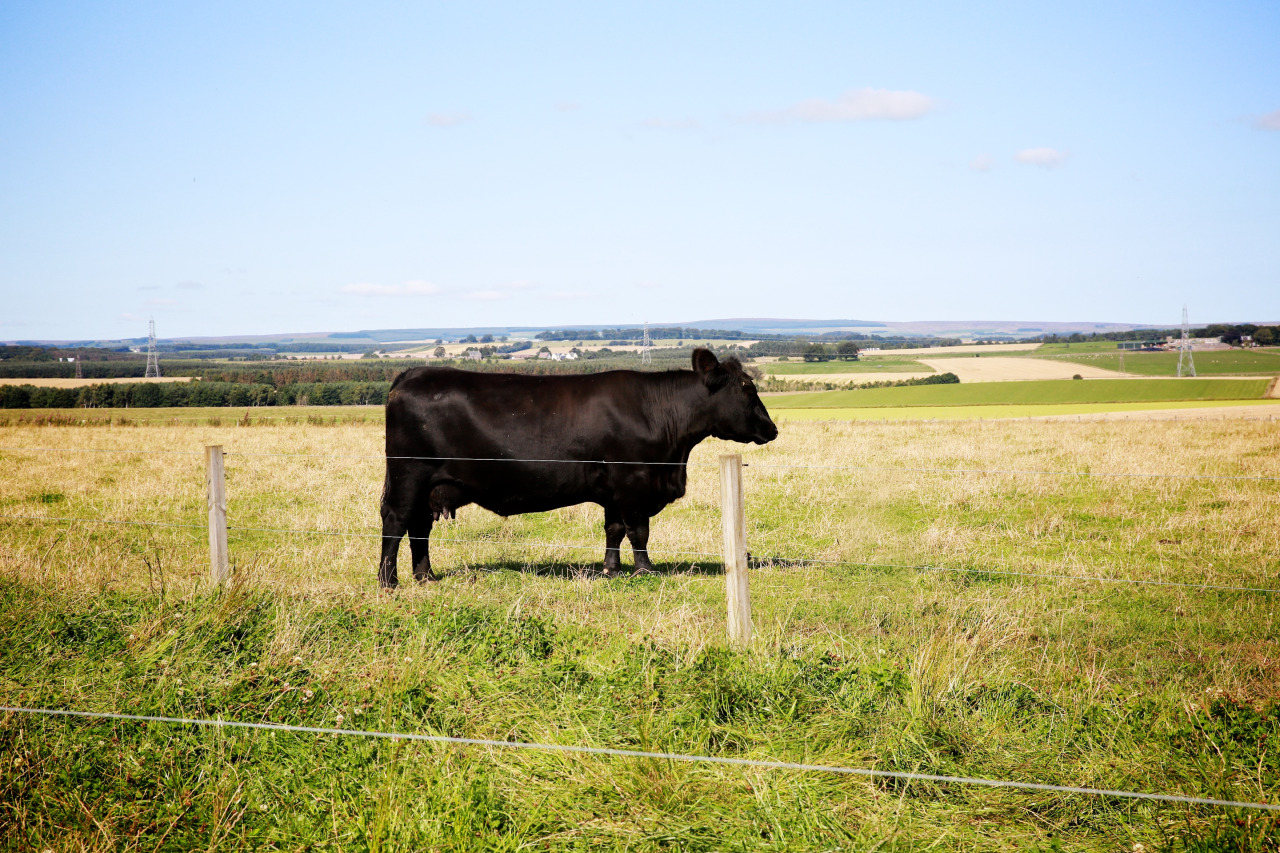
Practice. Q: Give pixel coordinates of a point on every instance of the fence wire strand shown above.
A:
(757, 560)
(664, 756)
(881, 469)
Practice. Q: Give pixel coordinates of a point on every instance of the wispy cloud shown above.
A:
(164, 303)
(567, 295)
(1046, 158)
(409, 288)
(447, 119)
(1270, 121)
(854, 105)
(485, 295)
(567, 106)
(190, 285)
(982, 163)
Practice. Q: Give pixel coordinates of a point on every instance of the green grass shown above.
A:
(886, 665)
(1209, 363)
(1068, 349)
(928, 413)
(1027, 393)
(865, 365)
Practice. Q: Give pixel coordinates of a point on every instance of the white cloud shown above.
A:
(672, 124)
(521, 284)
(131, 318)
(190, 285)
(648, 285)
(1047, 158)
(447, 119)
(161, 302)
(409, 288)
(566, 295)
(567, 106)
(982, 163)
(1270, 121)
(864, 104)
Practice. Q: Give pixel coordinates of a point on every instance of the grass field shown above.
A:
(1258, 362)
(192, 415)
(865, 660)
(1028, 393)
(870, 364)
(988, 412)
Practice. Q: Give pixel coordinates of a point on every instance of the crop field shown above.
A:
(870, 364)
(1257, 362)
(1268, 409)
(912, 614)
(1049, 392)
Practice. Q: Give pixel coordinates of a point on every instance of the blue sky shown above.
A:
(253, 168)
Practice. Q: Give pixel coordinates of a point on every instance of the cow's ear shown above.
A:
(704, 361)
(709, 369)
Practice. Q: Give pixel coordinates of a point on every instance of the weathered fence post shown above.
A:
(219, 562)
(733, 517)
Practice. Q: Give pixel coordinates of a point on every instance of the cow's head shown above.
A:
(736, 411)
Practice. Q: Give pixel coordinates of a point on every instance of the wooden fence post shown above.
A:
(733, 517)
(219, 562)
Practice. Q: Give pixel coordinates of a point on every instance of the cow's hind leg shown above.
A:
(638, 534)
(394, 526)
(614, 530)
(419, 546)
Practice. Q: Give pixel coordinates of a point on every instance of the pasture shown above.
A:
(869, 364)
(1256, 362)
(1047, 392)
(912, 613)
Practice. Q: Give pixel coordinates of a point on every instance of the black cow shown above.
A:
(448, 430)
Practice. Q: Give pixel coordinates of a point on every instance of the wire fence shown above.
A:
(879, 469)
(758, 764)
(757, 561)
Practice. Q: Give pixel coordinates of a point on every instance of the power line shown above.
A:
(665, 756)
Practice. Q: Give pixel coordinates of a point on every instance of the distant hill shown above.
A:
(376, 338)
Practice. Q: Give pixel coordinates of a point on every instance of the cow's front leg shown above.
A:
(614, 530)
(638, 534)
(419, 546)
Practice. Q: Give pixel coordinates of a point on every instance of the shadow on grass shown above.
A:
(591, 571)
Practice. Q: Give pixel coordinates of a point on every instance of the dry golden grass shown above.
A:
(823, 491)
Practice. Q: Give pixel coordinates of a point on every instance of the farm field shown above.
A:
(1257, 362)
(1151, 411)
(72, 382)
(1013, 369)
(1028, 393)
(190, 415)
(912, 614)
(870, 364)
